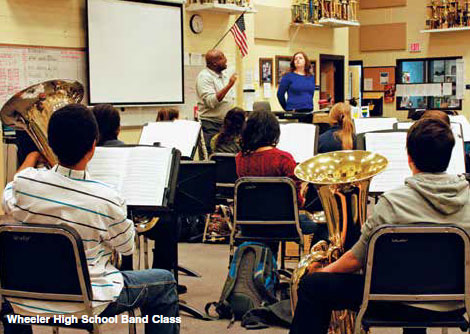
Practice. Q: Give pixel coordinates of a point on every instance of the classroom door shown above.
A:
(332, 78)
(355, 81)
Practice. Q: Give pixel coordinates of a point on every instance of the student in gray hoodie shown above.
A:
(430, 196)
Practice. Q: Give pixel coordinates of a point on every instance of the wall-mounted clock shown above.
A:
(196, 24)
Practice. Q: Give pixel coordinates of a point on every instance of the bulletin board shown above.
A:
(375, 78)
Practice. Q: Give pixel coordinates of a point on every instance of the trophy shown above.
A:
(296, 12)
(304, 9)
(353, 10)
(445, 15)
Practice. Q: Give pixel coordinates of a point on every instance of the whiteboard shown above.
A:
(135, 52)
(22, 66)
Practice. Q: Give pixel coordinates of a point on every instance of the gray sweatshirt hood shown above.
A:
(446, 193)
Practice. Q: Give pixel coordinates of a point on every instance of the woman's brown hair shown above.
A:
(340, 114)
(169, 114)
(307, 67)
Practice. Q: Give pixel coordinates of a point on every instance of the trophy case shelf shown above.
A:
(306, 25)
(335, 23)
(219, 8)
(445, 30)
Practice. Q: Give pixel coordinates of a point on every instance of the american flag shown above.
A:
(238, 32)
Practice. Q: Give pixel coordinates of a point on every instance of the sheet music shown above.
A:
(139, 174)
(391, 145)
(180, 134)
(457, 160)
(298, 139)
(363, 125)
(404, 125)
(465, 125)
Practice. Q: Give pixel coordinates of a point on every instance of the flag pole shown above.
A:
(220, 40)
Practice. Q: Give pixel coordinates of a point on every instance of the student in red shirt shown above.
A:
(260, 157)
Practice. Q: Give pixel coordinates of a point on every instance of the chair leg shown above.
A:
(208, 219)
(146, 253)
(137, 250)
(55, 330)
(132, 328)
(283, 254)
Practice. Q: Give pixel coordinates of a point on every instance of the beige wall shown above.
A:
(432, 45)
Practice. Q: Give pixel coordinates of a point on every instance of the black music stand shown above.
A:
(195, 195)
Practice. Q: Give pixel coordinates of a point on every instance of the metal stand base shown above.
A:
(188, 271)
(192, 311)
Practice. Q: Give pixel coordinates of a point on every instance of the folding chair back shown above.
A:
(49, 256)
(415, 263)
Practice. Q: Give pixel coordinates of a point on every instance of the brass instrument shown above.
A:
(31, 109)
(342, 180)
(144, 223)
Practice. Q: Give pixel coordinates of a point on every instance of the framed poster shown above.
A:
(265, 71)
(282, 67)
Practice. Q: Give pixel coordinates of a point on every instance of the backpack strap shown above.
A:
(263, 256)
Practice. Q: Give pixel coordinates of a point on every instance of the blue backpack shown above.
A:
(251, 282)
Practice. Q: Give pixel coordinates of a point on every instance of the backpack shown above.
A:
(251, 282)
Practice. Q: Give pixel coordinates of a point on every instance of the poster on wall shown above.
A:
(368, 84)
(389, 94)
(384, 78)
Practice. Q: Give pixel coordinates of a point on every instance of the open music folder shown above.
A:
(299, 139)
(392, 145)
(180, 134)
(141, 174)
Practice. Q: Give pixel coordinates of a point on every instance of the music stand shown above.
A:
(195, 187)
(195, 195)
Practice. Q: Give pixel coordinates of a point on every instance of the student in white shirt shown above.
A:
(66, 194)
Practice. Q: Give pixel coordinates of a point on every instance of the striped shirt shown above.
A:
(94, 209)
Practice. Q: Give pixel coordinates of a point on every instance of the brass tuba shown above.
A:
(342, 180)
(31, 109)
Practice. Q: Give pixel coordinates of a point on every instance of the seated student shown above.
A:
(64, 194)
(109, 125)
(169, 114)
(260, 157)
(228, 139)
(341, 134)
(436, 114)
(339, 137)
(430, 195)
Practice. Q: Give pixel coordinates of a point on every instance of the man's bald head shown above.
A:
(216, 61)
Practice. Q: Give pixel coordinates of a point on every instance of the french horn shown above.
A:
(31, 109)
(342, 179)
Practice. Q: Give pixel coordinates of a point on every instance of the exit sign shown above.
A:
(415, 47)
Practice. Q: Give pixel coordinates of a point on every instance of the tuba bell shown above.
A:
(31, 109)
(342, 179)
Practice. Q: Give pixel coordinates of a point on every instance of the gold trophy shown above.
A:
(296, 14)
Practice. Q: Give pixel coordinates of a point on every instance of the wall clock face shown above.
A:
(196, 24)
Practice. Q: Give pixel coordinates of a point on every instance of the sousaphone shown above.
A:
(31, 109)
(342, 179)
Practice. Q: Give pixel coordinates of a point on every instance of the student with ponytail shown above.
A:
(339, 137)
(341, 134)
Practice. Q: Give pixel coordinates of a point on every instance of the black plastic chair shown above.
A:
(402, 267)
(36, 260)
(266, 211)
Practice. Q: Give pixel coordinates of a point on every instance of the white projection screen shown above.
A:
(135, 52)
